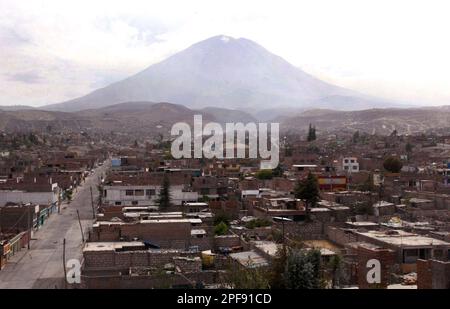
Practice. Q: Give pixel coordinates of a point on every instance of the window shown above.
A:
(352, 161)
(150, 192)
(345, 167)
(410, 255)
(134, 203)
(354, 167)
(129, 192)
(438, 254)
(118, 203)
(139, 193)
(346, 160)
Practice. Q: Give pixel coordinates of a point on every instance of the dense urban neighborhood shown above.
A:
(134, 217)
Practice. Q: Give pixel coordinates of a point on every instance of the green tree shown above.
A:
(221, 228)
(164, 199)
(278, 171)
(204, 199)
(335, 266)
(32, 138)
(303, 269)
(100, 194)
(277, 268)
(307, 190)
(393, 165)
(69, 195)
(222, 217)
(311, 133)
(247, 278)
(356, 137)
(264, 174)
(394, 133)
(258, 223)
(409, 147)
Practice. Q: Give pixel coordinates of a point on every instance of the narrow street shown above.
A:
(42, 265)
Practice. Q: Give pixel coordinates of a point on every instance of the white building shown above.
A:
(120, 194)
(47, 197)
(350, 165)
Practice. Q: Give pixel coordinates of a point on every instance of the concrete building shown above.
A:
(123, 194)
(409, 247)
(350, 165)
(46, 194)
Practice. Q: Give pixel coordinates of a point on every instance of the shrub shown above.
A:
(220, 229)
(257, 223)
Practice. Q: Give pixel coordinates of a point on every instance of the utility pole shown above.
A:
(29, 225)
(64, 263)
(92, 203)
(282, 220)
(81, 227)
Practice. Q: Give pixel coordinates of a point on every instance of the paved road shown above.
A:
(42, 265)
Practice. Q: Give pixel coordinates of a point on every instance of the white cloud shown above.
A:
(393, 49)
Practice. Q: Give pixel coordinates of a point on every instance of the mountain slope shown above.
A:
(223, 115)
(379, 121)
(148, 118)
(218, 72)
(37, 120)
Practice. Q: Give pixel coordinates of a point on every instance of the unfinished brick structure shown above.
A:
(164, 233)
(433, 274)
(131, 264)
(386, 257)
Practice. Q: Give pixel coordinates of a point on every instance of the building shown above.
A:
(10, 244)
(163, 233)
(35, 193)
(14, 217)
(119, 265)
(383, 208)
(332, 183)
(249, 259)
(433, 274)
(350, 165)
(143, 190)
(409, 247)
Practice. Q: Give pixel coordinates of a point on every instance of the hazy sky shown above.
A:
(54, 50)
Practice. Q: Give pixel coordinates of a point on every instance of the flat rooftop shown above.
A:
(192, 221)
(198, 232)
(383, 204)
(112, 246)
(361, 223)
(196, 204)
(249, 259)
(322, 243)
(404, 239)
(121, 245)
(326, 203)
(323, 251)
(269, 247)
(419, 200)
(319, 209)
